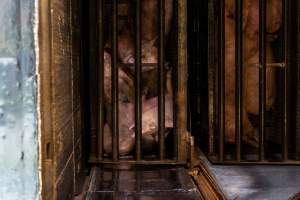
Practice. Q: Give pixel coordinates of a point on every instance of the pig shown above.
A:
(126, 111)
(248, 129)
(126, 54)
(273, 23)
(149, 32)
(250, 65)
(251, 15)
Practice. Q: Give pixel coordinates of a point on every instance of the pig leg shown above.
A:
(249, 133)
(230, 118)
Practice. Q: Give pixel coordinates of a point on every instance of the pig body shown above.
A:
(250, 65)
(126, 54)
(126, 111)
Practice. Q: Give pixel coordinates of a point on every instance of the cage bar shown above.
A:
(114, 82)
(181, 114)
(285, 87)
(222, 80)
(262, 77)
(92, 79)
(138, 103)
(212, 56)
(239, 76)
(161, 80)
(100, 66)
(285, 67)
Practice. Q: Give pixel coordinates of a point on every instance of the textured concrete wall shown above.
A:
(18, 121)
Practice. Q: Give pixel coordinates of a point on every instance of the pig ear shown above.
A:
(149, 43)
(153, 41)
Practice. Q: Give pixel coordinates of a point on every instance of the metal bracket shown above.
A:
(269, 65)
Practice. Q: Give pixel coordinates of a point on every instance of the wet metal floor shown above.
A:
(142, 184)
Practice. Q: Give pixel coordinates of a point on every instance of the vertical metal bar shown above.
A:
(161, 80)
(295, 78)
(175, 114)
(262, 77)
(285, 49)
(181, 93)
(221, 80)
(100, 65)
(212, 52)
(175, 92)
(138, 106)
(93, 79)
(114, 82)
(239, 75)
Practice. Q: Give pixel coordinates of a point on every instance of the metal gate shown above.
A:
(276, 134)
(100, 21)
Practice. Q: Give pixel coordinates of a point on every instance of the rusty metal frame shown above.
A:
(44, 69)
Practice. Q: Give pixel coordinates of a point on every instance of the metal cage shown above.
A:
(98, 25)
(283, 118)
